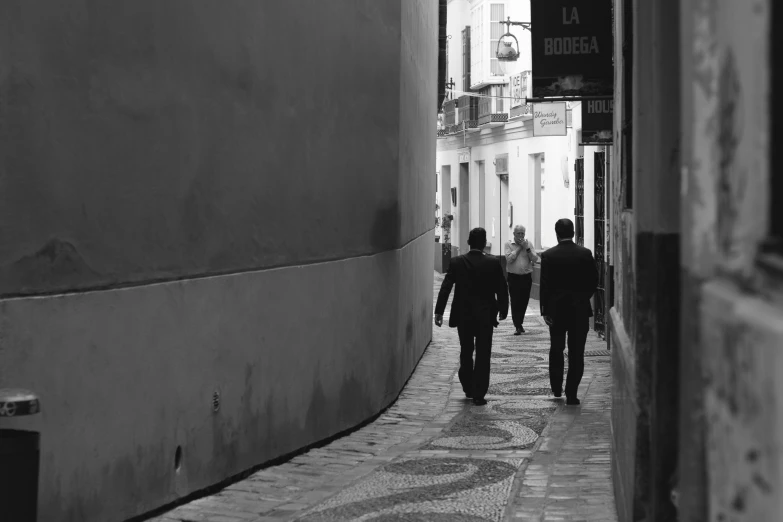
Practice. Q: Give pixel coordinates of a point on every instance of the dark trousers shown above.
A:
(519, 287)
(576, 328)
(474, 378)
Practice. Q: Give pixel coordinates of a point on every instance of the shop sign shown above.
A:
(572, 45)
(597, 122)
(549, 119)
(519, 88)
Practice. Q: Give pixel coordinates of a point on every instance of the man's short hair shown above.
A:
(477, 238)
(520, 228)
(564, 228)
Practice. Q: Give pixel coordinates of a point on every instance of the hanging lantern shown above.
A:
(507, 52)
(508, 49)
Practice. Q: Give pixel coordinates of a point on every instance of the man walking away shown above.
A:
(481, 295)
(520, 259)
(568, 280)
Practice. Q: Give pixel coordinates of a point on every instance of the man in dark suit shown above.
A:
(481, 294)
(568, 280)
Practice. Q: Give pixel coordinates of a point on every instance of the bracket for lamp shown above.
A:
(523, 25)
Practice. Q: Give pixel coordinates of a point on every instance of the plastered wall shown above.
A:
(193, 200)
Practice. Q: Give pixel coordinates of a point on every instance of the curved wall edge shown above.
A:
(291, 356)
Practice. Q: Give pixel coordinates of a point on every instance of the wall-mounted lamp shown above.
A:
(507, 51)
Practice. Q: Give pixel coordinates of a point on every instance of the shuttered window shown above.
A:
(501, 164)
(496, 30)
(466, 59)
(477, 42)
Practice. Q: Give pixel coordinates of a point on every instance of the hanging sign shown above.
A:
(572, 46)
(597, 122)
(518, 98)
(519, 88)
(549, 119)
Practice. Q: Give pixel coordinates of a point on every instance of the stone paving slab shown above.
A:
(435, 456)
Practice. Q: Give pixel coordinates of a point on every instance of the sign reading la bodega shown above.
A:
(572, 46)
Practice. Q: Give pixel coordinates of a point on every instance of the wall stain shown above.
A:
(731, 188)
(386, 225)
(57, 265)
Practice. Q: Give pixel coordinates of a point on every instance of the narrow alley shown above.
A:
(224, 229)
(434, 456)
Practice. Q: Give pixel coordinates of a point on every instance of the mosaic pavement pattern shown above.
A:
(450, 484)
(429, 489)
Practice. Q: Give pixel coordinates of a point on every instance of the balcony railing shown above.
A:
(497, 118)
(521, 111)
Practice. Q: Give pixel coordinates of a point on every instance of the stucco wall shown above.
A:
(164, 139)
(182, 150)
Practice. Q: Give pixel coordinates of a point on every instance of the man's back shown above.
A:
(481, 290)
(568, 279)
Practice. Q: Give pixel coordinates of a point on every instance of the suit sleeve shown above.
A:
(445, 290)
(502, 291)
(543, 285)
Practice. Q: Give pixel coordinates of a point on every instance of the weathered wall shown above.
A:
(730, 464)
(161, 141)
(620, 318)
(164, 142)
(645, 324)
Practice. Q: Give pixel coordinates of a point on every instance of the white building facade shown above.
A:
(491, 170)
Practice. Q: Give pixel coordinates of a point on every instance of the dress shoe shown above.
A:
(572, 401)
(517, 332)
(557, 393)
(468, 396)
(479, 402)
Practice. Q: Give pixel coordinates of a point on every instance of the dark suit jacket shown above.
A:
(569, 279)
(481, 291)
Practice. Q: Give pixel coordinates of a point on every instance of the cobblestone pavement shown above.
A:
(434, 456)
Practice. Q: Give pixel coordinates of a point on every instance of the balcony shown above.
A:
(493, 119)
(449, 112)
(521, 111)
(467, 113)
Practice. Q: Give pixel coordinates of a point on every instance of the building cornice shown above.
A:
(511, 131)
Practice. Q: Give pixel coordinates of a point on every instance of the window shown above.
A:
(501, 164)
(496, 30)
(477, 40)
(499, 92)
(466, 59)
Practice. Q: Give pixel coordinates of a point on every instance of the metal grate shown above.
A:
(579, 209)
(600, 237)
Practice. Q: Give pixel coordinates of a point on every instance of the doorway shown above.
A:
(535, 165)
(445, 205)
(482, 199)
(463, 208)
(505, 214)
